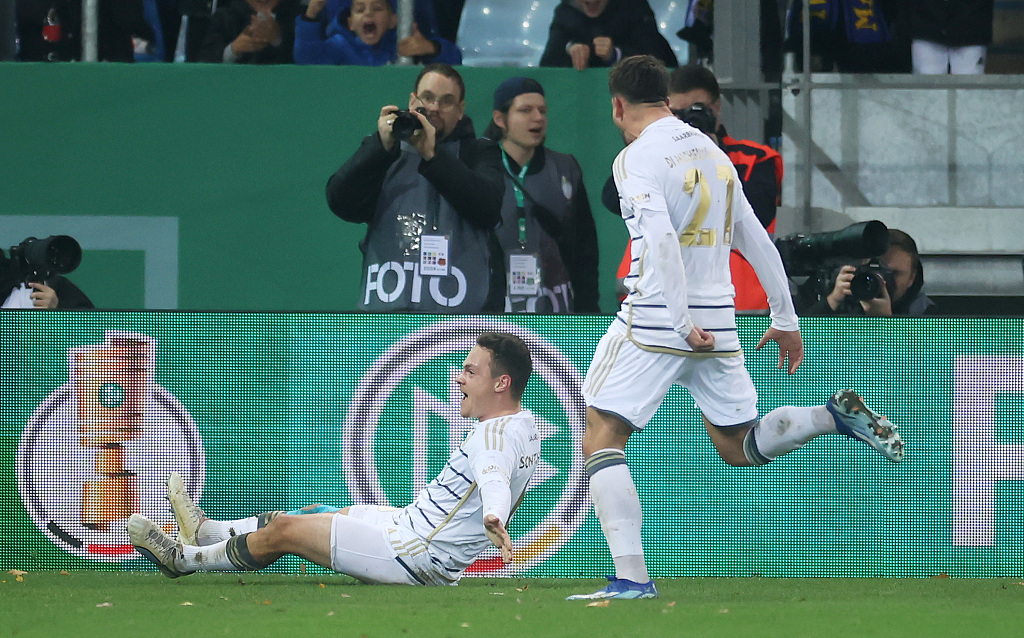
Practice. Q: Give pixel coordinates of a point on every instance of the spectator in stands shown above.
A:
(850, 36)
(8, 34)
(56, 292)
(599, 33)
(431, 195)
(119, 21)
(547, 230)
(449, 15)
(902, 294)
(695, 98)
(251, 32)
(423, 15)
(365, 35)
(949, 36)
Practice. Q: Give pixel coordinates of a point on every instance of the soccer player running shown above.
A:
(432, 541)
(683, 204)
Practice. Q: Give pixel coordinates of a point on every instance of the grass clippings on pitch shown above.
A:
(146, 604)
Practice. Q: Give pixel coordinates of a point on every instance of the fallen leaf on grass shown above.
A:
(599, 603)
(525, 587)
(330, 613)
(671, 604)
(723, 611)
(17, 572)
(345, 596)
(497, 593)
(266, 602)
(322, 586)
(941, 575)
(63, 573)
(104, 605)
(186, 604)
(241, 582)
(224, 598)
(20, 579)
(465, 624)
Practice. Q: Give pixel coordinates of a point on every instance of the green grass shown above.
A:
(145, 604)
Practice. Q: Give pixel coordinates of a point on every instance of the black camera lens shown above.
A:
(868, 282)
(406, 124)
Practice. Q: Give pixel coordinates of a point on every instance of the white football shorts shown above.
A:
(367, 544)
(631, 383)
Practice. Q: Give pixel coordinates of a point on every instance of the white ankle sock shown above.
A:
(787, 428)
(211, 558)
(211, 531)
(617, 506)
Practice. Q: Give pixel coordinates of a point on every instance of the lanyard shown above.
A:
(520, 200)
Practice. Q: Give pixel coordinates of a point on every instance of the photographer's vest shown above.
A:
(744, 154)
(408, 208)
(553, 187)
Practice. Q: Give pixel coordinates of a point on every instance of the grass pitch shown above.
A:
(146, 604)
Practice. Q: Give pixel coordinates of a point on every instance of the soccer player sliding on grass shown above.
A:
(682, 202)
(430, 542)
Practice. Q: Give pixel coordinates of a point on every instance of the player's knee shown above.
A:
(279, 534)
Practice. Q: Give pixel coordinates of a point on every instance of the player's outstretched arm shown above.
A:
(791, 346)
(499, 536)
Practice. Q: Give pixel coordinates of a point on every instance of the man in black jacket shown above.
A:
(431, 196)
(55, 292)
(599, 33)
(252, 32)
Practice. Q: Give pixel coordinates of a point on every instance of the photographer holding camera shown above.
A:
(30, 279)
(899, 292)
(431, 195)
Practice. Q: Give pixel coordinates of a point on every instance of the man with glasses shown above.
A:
(431, 197)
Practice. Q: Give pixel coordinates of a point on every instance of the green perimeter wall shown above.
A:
(232, 161)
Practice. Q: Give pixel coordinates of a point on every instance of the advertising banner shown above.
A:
(269, 411)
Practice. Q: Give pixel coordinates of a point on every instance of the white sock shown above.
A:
(211, 531)
(617, 506)
(787, 428)
(211, 558)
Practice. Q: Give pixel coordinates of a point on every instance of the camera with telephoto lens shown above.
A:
(699, 116)
(406, 123)
(820, 256)
(37, 260)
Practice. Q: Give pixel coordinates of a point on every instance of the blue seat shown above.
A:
(502, 33)
(671, 17)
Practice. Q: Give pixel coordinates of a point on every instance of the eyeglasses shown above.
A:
(444, 103)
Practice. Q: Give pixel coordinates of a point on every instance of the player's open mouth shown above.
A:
(369, 28)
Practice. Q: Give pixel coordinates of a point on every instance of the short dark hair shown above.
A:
(509, 355)
(639, 79)
(446, 70)
(692, 77)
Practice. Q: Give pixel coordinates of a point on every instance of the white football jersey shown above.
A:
(683, 204)
(448, 513)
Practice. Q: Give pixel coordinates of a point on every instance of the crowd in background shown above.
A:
(857, 36)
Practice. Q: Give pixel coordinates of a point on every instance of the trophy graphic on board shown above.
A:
(112, 383)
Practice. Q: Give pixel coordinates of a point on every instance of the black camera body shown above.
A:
(37, 260)
(699, 116)
(820, 256)
(869, 280)
(406, 123)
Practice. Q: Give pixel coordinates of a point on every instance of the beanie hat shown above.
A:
(510, 88)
